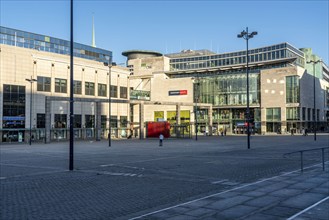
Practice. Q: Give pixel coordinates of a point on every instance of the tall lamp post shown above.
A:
(196, 106)
(31, 81)
(246, 35)
(314, 104)
(109, 64)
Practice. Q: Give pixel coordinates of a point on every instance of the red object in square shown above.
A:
(154, 129)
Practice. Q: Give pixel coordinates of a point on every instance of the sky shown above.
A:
(171, 26)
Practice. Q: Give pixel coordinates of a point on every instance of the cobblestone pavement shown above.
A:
(137, 177)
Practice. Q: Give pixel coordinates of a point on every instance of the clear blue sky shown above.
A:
(170, 26)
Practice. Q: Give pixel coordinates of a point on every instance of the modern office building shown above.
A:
(281, 83)
(45, 60)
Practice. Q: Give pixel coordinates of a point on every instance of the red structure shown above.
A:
(154, 129)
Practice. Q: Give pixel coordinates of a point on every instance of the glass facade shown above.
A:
(292, 89)
(226, 90)
(39, 42)
(275, 52)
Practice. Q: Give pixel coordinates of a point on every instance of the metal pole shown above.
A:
(248, 111)
(31, 97)
(196, 109)
(71, 91)
(109, 136)
(314, 105)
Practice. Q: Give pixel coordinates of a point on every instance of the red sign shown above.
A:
(178, 92)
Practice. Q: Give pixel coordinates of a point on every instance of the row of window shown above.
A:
(44, 85)
(60, 121)
(49, 44)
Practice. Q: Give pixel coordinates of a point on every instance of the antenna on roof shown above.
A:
(93, 44)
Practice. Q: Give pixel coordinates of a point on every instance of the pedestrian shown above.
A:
(160, 139)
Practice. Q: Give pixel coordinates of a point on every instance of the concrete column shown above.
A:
(98, 120)
(48, 120)
(177, 120)
(210, 120)
(141, 120)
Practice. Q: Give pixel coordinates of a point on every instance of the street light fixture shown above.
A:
(246, 35)
(109, 64)
(314, 104)
(31, 96)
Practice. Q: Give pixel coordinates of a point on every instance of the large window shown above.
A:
(101, 89)
(60, 85)
(114, 91)
(123, 92)
(273, 114)
(293, 114)
(44, 84)
(13, 106)
(123, 121)
(77, 88)
(60, 120)
(90, 121)
(292, 89)
(273, 120)
(77, 121)
(41, 120)
(114, 121)
(228, 89)
(89, 88)
(103, 121)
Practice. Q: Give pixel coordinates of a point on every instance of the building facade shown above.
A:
(196, 91)
(280, 85)
(25, 56)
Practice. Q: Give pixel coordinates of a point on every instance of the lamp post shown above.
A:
(196, 106)
(110, 66)
(314, 104)
(246, 35)
(31, 96)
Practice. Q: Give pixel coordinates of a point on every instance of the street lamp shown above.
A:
(246, 35)
(31, 96)
(197, 80)
(314, 105)
(109, 64)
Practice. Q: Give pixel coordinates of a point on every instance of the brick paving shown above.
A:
(136, 177)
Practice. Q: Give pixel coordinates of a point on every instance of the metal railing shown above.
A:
(301, 152)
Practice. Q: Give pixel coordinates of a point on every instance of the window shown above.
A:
(89, 88)
(114, 121)
(123, 121)
(273, 114)
(41, 120)
(60, 120)
(292, 114)
(60, 85)
(43, 83)
(103, 121)
(303, 113)
(123, 92)
(292, 89)
(90, 121)
(101, 89)
(114, 91)
(77, 88)
(77, 121)
(13, 106)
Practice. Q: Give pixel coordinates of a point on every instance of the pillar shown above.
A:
(98, 121)
(48, 120)
(178, 120)
(141, 120)
(210, 120)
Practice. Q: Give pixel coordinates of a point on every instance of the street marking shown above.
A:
(3, 177)
(220, 181)
(216, 194)
(310, 207)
